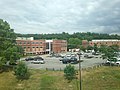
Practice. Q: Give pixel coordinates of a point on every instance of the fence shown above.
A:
(88, 68)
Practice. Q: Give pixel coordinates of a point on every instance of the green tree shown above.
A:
(8, 48)
(95, 48)
(82, 48)
(108, 53)
(69, 72)
(21, 71)
(89, 47)
(74, 43)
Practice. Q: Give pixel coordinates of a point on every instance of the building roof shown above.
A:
(24, 38)
(105, 40)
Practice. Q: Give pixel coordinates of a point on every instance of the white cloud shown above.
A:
(54, 16)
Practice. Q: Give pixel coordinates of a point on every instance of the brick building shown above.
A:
(85, 43)
(42, 46)
(108, 42)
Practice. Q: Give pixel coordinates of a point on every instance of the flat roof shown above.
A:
(105, 40)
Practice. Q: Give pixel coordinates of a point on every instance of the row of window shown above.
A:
(107, 43)
(33, 47)
(29, 42)
(35, 43)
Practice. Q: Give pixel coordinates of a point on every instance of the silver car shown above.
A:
(38, 61)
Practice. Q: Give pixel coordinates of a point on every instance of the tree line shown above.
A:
(74, 40)
(82, 36)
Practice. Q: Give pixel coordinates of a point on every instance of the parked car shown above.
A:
(112, 61)
(12, 63)
(118, 61)
(88, 56)
(72, 60)
(29, 59)
(38, 61)
(38, 58)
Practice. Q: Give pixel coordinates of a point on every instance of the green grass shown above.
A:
(103, 78)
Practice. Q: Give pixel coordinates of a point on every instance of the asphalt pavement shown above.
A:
(54, 63)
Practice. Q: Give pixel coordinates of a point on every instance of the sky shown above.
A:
(57, 16)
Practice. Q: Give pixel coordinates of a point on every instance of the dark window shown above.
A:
(37, 42)
(28, 42)
(32, 42)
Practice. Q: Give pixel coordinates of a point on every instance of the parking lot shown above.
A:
(54, 63)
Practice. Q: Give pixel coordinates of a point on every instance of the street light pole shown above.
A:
(80, 72)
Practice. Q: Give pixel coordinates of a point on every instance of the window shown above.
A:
(28, 42)
(37, 43)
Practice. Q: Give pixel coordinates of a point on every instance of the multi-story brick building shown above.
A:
(42, 46)
(108, 42)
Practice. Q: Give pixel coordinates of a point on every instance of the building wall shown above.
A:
(85, 43)
(104, 42)
(32, 46)
(59, 46)
(40, 46)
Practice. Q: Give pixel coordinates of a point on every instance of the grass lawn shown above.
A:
(103, 78)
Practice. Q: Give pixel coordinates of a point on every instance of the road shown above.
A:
(54, 63)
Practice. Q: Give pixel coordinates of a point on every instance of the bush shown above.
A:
(21, 71)
(69, 72)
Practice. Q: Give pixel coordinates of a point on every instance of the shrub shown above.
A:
(21, 71)
(69, 72)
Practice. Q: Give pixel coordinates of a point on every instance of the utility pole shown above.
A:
(80, 72)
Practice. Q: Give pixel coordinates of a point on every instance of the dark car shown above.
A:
(12, 63)
(65, 60)
(38, 58)
(88, 56)
(29, 59)
(71, 60)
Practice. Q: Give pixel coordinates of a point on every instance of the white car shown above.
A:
(110, 62)
(118, 61)
(38, 61)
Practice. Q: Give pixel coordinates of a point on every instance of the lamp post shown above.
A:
(80, 72)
